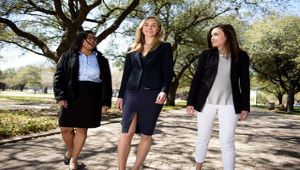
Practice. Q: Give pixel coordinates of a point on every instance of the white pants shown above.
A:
(227, 124)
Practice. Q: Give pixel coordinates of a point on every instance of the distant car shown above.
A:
(297, 105)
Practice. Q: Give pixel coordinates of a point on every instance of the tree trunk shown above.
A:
(290, 100)
(171, 96)
(22, 87)
(45, 90)
(279, 98)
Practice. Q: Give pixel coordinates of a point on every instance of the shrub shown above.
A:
(14, 123)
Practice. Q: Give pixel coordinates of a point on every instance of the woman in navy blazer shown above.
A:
(146, 79)
(220, 86)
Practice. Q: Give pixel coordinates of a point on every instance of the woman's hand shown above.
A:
(244, 115)
(63, 103)
(190, 110)
(161, 98)
(120, 104)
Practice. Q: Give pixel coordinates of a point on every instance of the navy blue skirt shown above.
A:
(143, 103)
(84, 111)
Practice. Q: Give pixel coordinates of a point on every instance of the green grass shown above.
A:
(13, 123)
(276, 110)
(168, 108)
(27, 99)
(260, 106)
(178, 105)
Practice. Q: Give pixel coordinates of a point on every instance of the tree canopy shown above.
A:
(47, 28)
(273, 44)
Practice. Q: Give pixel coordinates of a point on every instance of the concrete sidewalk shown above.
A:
(264, 141)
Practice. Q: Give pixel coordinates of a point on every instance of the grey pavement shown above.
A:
(265, 141)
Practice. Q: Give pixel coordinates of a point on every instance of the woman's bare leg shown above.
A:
(125, 144)
(199, 166)
(68, 138)
(142, 152)
(79, 141)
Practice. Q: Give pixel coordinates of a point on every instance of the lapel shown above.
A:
(73, 61)
(233, 68)
(213, 58)
(137, 58)
(98, 56)
(149, 57)
(153, 54)
(74, 65)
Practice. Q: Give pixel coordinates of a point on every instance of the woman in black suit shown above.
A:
(147, 75)
(82, 88)
(220, 86)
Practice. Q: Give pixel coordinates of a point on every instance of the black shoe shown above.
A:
(67, 160)
(81, 166)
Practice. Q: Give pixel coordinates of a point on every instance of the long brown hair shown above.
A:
(139, 41)
(231, 39)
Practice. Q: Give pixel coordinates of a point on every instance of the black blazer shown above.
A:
(205, 76)
(154, 73)
(66, 78)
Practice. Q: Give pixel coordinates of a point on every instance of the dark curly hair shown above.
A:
(78, 41)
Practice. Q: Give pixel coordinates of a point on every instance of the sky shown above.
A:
(15, 58)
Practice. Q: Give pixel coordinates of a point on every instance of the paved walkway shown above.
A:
(265, 141)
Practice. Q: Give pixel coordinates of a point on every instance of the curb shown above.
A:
(29, 136)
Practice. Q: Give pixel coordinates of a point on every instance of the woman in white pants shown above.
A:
(220, 87)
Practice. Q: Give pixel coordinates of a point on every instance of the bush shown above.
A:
(14, 123)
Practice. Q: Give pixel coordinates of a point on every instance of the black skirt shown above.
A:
(84, 111)
(143, 103)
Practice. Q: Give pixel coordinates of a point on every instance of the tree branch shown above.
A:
(60, 13)
(73, 9)
(47, 52)
(37, 8)
(22, 46)
(95, 4)
(118, 21)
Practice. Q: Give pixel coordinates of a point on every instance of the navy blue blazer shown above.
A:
(205, 75)
(154, 72)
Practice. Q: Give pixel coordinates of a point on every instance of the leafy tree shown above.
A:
(2, 84)
(261, 84)
(46, 75)
(47, 28)
(8, 77)
(275, 55)
(28, 76)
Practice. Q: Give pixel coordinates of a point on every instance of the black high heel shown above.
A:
(67, 160)
(80, 166)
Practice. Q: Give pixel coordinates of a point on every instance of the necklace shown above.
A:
(227, 56)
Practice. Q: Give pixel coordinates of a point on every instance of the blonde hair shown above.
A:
(139, 41)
